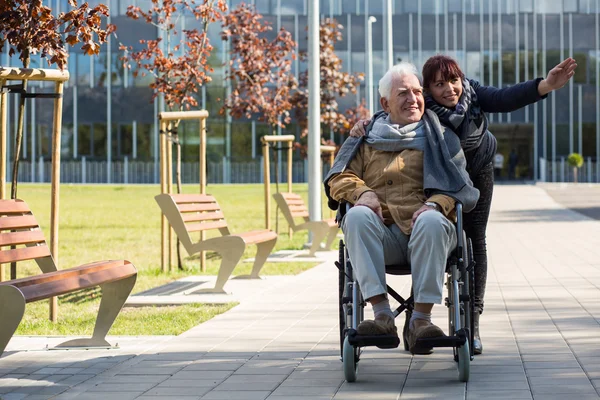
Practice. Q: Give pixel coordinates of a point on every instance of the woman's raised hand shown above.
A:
(358, 129)
(558, 76)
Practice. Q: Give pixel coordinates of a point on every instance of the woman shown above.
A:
(461, 104)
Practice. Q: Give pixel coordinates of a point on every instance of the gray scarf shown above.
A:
(444, 164)
(467, 119)
(387, 136)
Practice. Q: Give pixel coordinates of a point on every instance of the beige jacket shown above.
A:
(397, 180)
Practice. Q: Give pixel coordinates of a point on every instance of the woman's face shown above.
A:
(446, 93)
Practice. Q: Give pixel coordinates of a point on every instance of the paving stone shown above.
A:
(122, 387)
(499, 395)
(178, 391)
(236, 395)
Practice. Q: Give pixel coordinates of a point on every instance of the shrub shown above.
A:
(575, 160)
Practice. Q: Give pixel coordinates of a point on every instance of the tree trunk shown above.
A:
(276, 165)
(575, 174)
(17, 154)
(178, 179)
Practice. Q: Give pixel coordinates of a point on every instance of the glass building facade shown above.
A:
(109, 119)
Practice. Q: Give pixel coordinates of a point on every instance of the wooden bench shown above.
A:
(189, 213)
(19, 229)
(292, 206)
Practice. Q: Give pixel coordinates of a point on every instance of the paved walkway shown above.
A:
(541, 332)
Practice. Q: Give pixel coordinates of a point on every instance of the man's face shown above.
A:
(406, 104)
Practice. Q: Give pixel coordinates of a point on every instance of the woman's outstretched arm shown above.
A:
(494, 100)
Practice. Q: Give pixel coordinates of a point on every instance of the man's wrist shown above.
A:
(433, 205)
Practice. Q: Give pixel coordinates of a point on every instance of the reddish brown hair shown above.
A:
(447, 66)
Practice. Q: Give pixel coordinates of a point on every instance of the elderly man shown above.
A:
(403, 179)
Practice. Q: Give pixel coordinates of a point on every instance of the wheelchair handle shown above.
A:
(459, 227)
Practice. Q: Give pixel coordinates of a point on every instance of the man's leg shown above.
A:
(371, 245)
(432, 240)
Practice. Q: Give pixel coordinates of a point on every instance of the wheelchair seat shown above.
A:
(397, 269)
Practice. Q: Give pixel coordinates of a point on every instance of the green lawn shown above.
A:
(99, 222)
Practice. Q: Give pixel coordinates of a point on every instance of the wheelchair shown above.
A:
(460, 286)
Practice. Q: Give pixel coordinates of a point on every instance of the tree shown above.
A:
(179, 69)
(260, 69)
(333, 82)
(352, 115)
(28, 27)
(575, 160)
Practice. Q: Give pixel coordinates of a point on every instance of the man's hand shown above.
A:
(420, 211)
(358, 129)
(558, 76)
(369, 199)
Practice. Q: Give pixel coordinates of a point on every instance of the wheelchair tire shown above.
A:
(464, 362)
(468, 289)
(341, 286)
(350, 360)
(471, 308)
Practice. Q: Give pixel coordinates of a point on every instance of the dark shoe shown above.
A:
(422, 329)
(382, 325)
(477, 345)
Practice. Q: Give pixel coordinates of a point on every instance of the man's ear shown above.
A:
(385, 104)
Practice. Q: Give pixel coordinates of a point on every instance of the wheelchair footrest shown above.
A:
(442, 341)
(381, 341)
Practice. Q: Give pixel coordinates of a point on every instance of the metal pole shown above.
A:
(388, 31)
(370, 63)
(202, 160)
(109, 105)
(571, 112)
(597, 61)
(314, 117)
(3, 134)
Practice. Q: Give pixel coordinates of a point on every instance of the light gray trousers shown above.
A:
(372, 245)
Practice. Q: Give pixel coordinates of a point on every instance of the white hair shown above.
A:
(403, 68)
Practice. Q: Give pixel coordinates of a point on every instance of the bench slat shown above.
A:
(24, 253)
(198, 207)
(22, 237)
(193, 198)
(258, 236)
(191, 217)
(298, 211)
(70, 282)
(206, 226)
(295, 203)
(20, 222)
(66, 273)
(13, 207)
(298, 208)
(291, 196)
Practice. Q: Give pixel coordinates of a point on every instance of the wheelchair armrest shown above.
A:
(342, 209)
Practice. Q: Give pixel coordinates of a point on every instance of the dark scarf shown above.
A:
(466, 119)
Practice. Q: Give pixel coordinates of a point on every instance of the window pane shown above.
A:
(291, 7)
(526, 5)
(570, 6)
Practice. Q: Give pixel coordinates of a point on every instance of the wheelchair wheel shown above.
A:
(341, 291)
(460, 309)
(350, 360)
(467, 290)
(471, 285)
